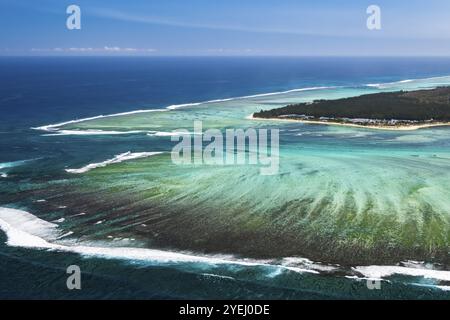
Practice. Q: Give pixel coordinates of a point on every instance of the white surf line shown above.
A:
(171, 134)
(443, 288)
(177, 106)
(117, 159)
(25, 230)
(167, 134)
(217, 276)
(378, 85)
(90, 132)
(54, 127)
(12, 164)
(28, 231)
(380, 272)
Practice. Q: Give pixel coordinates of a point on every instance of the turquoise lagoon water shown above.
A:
(347, 203)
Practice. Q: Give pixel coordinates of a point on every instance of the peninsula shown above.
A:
(400, 110)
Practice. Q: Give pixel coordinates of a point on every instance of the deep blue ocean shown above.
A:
(36, 91)
(42, 90)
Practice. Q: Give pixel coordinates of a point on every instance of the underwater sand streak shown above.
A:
(332, 193)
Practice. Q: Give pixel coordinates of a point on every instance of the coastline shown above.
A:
(396, 128)
(56, 127)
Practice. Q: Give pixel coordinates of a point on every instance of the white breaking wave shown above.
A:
(217, 276)
(177, 106)
(117, 159)
(444, 288)
(89, 132)
(377, 85)
(183, 105)
(6, 165)
(65, 235)
(55, 127)
(166, 134)
(380, 272)
(26, 230)
(385, 85)
(170, 134)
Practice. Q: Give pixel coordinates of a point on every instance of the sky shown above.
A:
(225, 28)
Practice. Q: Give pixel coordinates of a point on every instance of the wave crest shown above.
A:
(117, 159)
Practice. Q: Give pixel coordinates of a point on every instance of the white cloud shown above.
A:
(105, 49)
(117, 15)
(329, 23)
(226, 51)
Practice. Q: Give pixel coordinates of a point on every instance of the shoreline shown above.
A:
(391, 128)
(55, 127)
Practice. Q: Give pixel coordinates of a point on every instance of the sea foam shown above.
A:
(117, 159)
(386, 85)
(26, 230)
(380, 272)
(6, 165)
(55, 127)
(90, 132)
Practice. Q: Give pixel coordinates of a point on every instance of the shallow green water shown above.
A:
(343, 195)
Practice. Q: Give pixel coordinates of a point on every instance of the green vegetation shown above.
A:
(387, 108)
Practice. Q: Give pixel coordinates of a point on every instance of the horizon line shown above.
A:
(218, 56)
